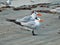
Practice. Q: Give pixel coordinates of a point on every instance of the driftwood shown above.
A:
(21, 9)
(33, 6)
(29, 7)
(43, 11)
(1, 9)
(7, 7)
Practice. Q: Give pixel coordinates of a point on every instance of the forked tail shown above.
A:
(14, 21)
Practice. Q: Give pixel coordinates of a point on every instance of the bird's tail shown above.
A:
(14, 21)
(11, 20)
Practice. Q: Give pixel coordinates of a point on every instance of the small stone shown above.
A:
(47, 25)
(58, 32)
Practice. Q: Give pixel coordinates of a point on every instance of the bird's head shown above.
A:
(36, 14)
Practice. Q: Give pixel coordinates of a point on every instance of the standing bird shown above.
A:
(34, 25)
(31, 21)
(32, 17)
(26, 19)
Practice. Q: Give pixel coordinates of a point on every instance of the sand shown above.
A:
(12, 34)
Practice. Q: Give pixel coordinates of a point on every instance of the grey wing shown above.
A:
(25, 19)
(30, 24)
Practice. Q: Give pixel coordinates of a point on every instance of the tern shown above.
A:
(32, 21)
(34, 25)
(29, 18)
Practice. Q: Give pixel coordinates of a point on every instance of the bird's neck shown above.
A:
(33, 15)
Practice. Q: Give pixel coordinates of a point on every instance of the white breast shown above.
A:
(37, 23)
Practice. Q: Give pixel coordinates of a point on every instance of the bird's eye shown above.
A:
(35, 17)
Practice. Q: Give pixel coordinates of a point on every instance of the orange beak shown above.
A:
(41, 20)
(39, 14)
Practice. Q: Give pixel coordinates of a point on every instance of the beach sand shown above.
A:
(12, 34)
